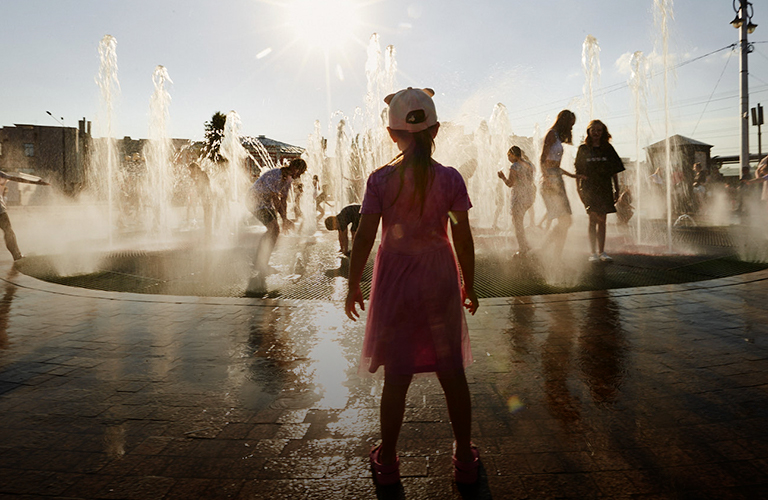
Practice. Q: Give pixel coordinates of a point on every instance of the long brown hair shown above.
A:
(605, 139)
(564, 126)
(418, 157)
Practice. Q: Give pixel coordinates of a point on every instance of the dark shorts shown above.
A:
(266, 215)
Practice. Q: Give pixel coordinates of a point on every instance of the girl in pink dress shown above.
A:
(415, 321)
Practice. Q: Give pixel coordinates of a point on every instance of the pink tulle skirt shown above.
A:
(415, 321)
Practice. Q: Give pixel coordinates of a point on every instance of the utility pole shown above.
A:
(743, 22)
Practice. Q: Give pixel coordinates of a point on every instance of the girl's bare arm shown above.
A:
(465, 253)
(361, 249)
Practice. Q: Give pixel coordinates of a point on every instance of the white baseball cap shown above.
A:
(412, 110)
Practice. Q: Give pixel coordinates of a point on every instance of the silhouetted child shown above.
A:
(520, 179)
(415, 321)
(202, 184)
(624, 208)
(320, 195)
(349, 217)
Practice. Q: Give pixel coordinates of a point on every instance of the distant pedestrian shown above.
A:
(520, 179)
(320, 197)
(202, 190)
(624, 208)
(699, 187)
(415, 320)
(598, 166)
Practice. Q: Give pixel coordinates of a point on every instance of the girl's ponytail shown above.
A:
(419, 158)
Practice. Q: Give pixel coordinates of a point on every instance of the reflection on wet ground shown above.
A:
(5, 307)
(653, 392)
(602, 350)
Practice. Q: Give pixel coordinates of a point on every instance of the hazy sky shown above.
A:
(266, 60)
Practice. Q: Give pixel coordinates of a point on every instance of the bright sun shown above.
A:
(327, 24)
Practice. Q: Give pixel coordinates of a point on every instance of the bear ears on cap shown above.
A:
(428, 91)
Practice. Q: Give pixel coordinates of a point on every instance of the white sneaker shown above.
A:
(604, 257)
(594, 257)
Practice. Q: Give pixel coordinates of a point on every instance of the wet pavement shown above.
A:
(657, 392)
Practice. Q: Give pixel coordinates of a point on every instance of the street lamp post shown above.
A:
(63, 144)
(743, 22)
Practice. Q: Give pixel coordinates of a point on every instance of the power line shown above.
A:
(713, 93)
(620, 85)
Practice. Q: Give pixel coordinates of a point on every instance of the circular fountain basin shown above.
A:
(311, 267)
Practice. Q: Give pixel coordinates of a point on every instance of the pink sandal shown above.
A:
(384, 475)
(466, 472)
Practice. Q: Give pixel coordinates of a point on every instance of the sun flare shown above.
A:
(325, 24)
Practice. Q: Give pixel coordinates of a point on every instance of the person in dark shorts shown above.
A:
(349, 216)
(268, 199)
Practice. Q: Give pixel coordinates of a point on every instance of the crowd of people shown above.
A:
(596, 175)
(597, 166)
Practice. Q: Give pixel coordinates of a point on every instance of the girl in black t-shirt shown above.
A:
(598, 164)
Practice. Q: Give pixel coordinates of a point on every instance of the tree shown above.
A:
(214, 133)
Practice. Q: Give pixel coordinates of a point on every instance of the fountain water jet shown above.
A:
(663, 14)
(102, 180)
(361, 143)
(638, 85)
(160, 179)
(499, 130)
(235, 177)
(590, 61)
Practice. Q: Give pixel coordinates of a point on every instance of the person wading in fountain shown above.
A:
(5, 221)
(268, 198)
(552, 185)
(349, 216)
(415, 320)
(202, 185)
(761, 176)
(598, 166)
(520, 179)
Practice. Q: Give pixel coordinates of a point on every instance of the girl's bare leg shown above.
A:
(593, 232)
(391, 415)
(601, 232)
(459, 403)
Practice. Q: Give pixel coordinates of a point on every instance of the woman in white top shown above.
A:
(552, 185)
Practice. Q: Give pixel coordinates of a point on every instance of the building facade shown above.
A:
(57, 154)
(261, 150)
